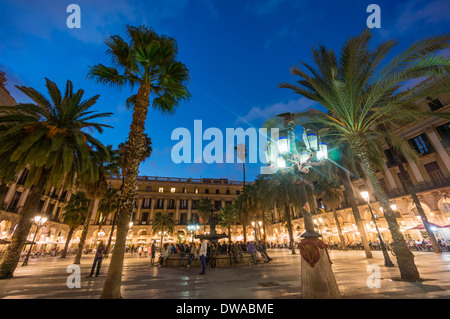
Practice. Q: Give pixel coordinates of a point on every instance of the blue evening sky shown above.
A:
(237, 51)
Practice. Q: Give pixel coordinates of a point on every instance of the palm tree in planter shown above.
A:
(360, 93)
(74, 215)
(163, 222)
(48, 136)
(227, 217)
(147, 60)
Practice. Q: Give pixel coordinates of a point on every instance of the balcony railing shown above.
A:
(218, 181)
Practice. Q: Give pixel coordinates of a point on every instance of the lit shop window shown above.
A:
(161, 189)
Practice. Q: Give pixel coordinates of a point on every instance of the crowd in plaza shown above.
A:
(206, 252)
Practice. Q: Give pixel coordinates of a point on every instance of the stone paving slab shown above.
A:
(279, 279)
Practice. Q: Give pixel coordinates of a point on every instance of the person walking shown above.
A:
(98, 259)
(202, 253)
(153, 252)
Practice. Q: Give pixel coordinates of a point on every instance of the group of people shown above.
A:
(207, 252)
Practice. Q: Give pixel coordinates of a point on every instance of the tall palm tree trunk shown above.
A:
(338, 225)
(11, 258)
(66, 245)
(411, 190)
(108, 246)
(405, 257)
(348, 192)
(244, 229)
(289, 227)
(134, 150)
(84, 232)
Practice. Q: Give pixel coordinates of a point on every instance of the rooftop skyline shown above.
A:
(237, 54)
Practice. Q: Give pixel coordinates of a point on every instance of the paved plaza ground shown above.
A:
(279, 279)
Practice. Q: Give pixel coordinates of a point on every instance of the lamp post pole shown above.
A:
(317, 278)
(39, 221)
(387, 260)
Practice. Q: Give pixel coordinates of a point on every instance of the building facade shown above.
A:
(430, 139)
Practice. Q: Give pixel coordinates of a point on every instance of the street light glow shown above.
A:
(365, 195)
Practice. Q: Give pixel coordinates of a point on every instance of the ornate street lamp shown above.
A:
(387, 260)
(192, 228)
(317, 277)
(39, 222)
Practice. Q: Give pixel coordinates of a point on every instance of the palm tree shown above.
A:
(48, 137)
(162, 223)
(283, 190)
(227, 217)
(242, 213)
(360, 94)
(96, 190)
(332, 196)
(149, 61)
(119, 158)
(107, 204)
(74, 215)
(397, 152)
(204, 210)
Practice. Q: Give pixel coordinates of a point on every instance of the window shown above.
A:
(228, 203)
(227, 192)
(148, 189)
(144, 218)
(15, 200)
(171, 203)
(146, 203)
(390, 158)
(194, 217)
(238, 192)
(383, 185)
(421, 144)
(206, 191)
(217, 204)
(435, 104)
(184, 190)
(435, 173)
(161, 189)
(195, 204)
(183, 219)
(196, 190)
(172, 190)
(217, 191)
(183, 204)
(23, 178)
(58, 211)
(444, 133)
(160, 203)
